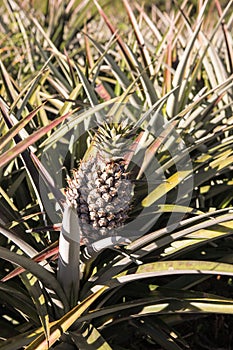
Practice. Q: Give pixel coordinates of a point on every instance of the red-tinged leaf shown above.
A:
(167, 71)
(102, 92)
(24, 144)
(150, 152)
(89, 55)
(131, 60)
(49, 252)
(132, 148)
(54, 227)
(113, 30)
(17, 127)
(144, 52)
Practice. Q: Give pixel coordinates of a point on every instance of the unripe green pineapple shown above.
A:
(100, 189)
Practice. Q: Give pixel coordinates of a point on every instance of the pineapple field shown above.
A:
(116, 178)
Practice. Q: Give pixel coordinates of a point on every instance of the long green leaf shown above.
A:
(41, 273)
(64, 323)
(58, 134)
(173, 102)
(163, 188)
(33, 286)
(19, 300)
(90, 339)
(166, 268)
(69, 255)
(22, 244)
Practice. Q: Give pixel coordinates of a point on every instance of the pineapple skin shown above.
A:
(101, 193)
(100, 189)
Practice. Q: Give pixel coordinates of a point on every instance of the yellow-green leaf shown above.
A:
(164, 188)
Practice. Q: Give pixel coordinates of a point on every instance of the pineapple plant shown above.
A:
(100, 189)
(174, 278)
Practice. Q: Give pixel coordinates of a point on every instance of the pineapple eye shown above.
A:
(107, 197)
(102, 222)
(110, 216)
(101, 212)
(113, 191)
(103, 188)
(110, 181)
(92, 215)
(98, 182)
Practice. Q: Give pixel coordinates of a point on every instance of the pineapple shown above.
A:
(100, 190)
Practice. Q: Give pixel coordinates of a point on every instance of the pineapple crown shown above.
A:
(113, 140)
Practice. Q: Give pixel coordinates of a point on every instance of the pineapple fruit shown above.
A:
(100, 190)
